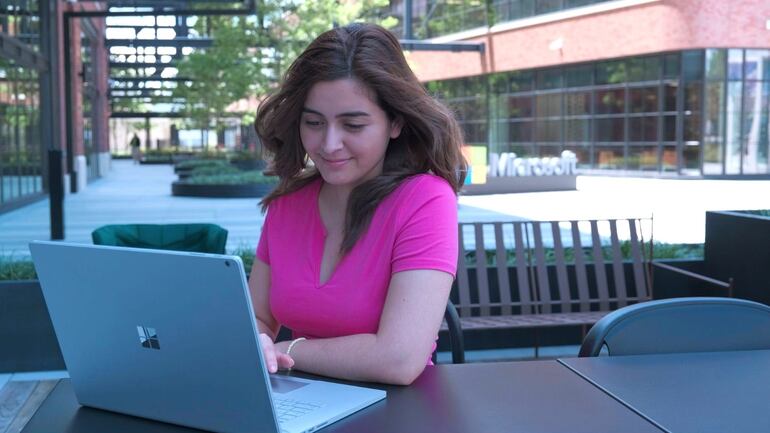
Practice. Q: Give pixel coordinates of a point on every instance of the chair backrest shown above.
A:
(530, 267)
(681, 325)
(202, 238)
(592, 265)
(475, 296)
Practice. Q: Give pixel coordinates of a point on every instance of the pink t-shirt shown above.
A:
(415, 227)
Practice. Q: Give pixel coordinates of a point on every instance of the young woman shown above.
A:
(359, 246)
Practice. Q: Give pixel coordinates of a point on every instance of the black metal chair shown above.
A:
(455, 335)
(681, 325)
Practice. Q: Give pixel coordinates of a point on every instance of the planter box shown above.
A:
(156, 161)
(221, 191)
(27, 337)
(738, 246)
(248, 165)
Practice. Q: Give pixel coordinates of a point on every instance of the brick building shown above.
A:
(634, 87)
(53, 95)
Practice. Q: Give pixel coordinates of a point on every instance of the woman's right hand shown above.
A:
(274, 357)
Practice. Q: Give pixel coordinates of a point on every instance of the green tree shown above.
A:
(249, 54)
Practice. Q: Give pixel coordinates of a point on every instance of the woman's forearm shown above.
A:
(264, 328)
(360, 357)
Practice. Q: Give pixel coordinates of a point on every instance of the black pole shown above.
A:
(56, 193)
(68, 107)
(408, 33)
(148, 139)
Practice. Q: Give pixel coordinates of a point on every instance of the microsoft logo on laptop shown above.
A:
(148, 337)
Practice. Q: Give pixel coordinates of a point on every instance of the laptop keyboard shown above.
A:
(287, 409)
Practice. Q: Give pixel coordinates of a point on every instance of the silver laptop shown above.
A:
(171, 336)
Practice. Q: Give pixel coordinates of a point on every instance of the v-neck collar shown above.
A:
(320, 241)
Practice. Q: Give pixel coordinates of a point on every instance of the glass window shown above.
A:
(549, 79)
(671, 66)
(583, 153)
(643, 99)
(691, 157)
(578, 76)
(611, 72)
(669, 96)
(692, 65)
(548, 150)
(520, 106)
(577, 103)
(692, 128)
(755, 126)
(643, 158)
(609, 129)
(521, 81)
(577, 130)
(520, 132)
(733, 127)
(716, 60)
(522, 150)
(735, 64)
(714, 128)
(475, 132)
(547, 6)
(610, 101)
(499, 83)
(757, 65)
(509, 10)
(693, 93)
(643, 128)
(669, 159)
(548, 105)
(548, 131)
(643, 68)
(609, 157)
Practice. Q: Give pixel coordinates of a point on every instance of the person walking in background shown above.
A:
(359, 248)
(136, 153)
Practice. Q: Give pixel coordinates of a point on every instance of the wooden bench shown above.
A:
(535, 274)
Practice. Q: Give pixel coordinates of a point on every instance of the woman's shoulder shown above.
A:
(301, 197)
(426, 185)
(418, 190)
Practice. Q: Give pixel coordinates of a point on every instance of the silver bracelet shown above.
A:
(292, 344)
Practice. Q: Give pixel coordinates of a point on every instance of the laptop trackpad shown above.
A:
(282, 385)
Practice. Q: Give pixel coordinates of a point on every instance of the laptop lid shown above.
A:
(164, 335)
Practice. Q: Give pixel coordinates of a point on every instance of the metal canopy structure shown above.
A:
(146, 40)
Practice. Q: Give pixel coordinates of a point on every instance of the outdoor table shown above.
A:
(532, 397)
(688, 392)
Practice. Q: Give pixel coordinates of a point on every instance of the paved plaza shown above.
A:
(142, 194)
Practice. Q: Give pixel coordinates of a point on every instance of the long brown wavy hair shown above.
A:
(430, 139)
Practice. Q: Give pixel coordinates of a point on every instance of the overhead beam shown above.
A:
(145, 79)
(418, 45)
(130, 65)
(177, 42)
(248, 9)
(146, 115)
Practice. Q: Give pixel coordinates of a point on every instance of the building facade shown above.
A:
(640, 87)
(36, 112)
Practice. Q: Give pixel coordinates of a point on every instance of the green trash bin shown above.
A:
(202, 238)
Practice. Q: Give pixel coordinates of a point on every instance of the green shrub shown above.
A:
(659, 251)
(240, 178)
(192, 164)
(247, 254)
(16, 269)
(761, 212)
(213, 170)
(243, 155)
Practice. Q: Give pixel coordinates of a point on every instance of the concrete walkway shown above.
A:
(142, 194)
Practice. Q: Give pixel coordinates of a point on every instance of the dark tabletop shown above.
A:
(720, 392)
(532, 397)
